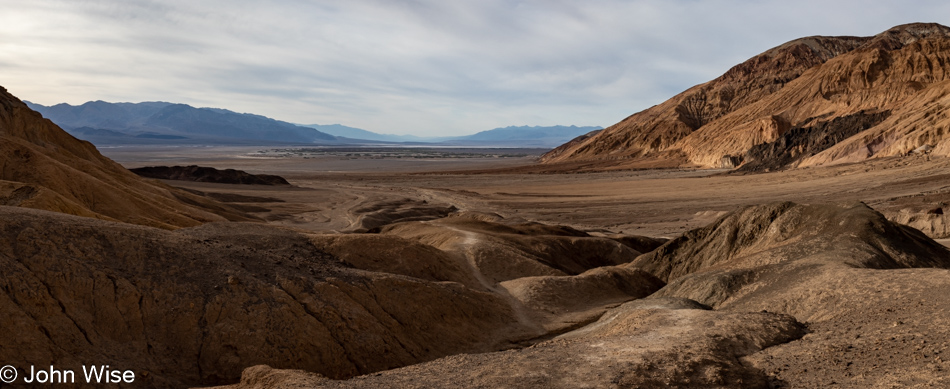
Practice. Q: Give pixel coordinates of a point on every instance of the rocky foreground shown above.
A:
(775, 295)
(781, 295)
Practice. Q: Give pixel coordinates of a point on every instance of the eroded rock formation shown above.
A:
(815, 85)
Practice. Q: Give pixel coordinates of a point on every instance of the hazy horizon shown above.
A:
(408, 68)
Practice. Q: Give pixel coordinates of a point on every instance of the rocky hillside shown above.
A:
(43, 167)
(811, 101)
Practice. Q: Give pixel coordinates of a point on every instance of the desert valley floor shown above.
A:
(329, 191)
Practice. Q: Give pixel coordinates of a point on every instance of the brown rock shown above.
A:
(629, 347)
(198, 305)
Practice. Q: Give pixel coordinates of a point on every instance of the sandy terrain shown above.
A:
(660, 203)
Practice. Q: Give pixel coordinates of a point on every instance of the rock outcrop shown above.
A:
(759, 246)
(373, 216)
(556, 277)
(208, 174)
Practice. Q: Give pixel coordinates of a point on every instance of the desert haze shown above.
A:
(777, 227)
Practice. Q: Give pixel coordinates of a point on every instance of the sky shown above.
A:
(421, 67)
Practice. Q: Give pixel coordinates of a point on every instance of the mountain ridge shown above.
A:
(164, 122)
(801, 83)
(172, 121)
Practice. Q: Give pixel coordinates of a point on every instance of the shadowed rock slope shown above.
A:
(634, 346)
(528, 249)
(853, 98)
(43, 167)
(197, 305)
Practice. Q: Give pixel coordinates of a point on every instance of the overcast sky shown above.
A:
(439, 67)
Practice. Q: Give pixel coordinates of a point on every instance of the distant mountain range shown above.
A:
(105, 123)
(357, 133)
(526, 135)
(160, 122)
(522, 136)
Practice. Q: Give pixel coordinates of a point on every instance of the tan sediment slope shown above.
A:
(43, 167)
(557, 278)
(781, 108)
(502, 252)
(396, 255)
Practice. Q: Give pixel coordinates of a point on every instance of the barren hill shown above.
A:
(811, 101)
(43, 167)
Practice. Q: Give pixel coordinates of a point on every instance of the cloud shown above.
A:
(408, 66)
